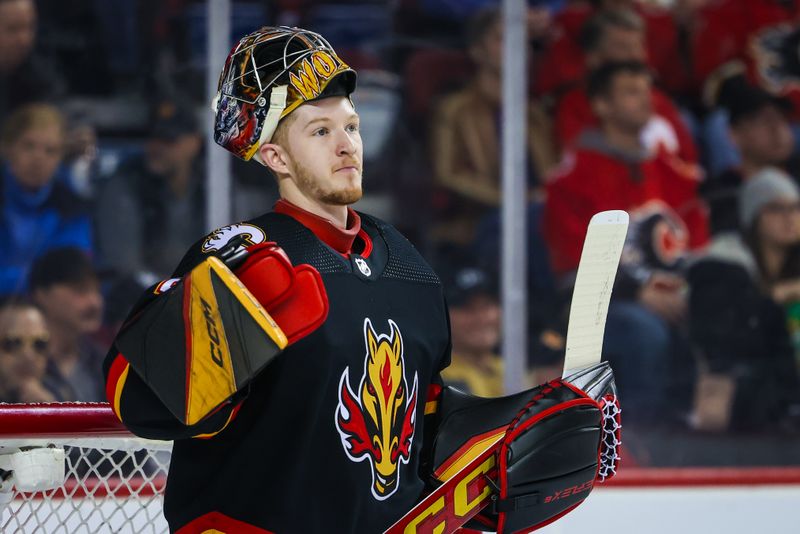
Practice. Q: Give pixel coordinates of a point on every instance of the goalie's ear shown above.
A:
(275, 158)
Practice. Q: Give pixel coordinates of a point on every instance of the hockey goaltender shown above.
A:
(294, 358)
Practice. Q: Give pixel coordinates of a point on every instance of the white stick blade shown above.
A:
(597, 270)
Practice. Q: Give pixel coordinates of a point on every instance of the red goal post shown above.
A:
(110, 480)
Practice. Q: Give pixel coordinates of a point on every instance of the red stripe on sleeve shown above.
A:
(434, 390)
(117, 367)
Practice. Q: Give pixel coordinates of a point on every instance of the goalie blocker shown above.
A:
(224, 327)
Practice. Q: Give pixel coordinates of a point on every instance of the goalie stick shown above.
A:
(466, 492)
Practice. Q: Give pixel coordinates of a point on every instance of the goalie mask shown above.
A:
(268, 74)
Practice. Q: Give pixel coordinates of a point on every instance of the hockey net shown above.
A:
(72, 468)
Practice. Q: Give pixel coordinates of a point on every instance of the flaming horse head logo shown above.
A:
(377, 424)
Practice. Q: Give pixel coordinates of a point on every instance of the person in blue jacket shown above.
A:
(38, 210)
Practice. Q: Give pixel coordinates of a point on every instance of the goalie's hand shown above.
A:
(226, 327)
(294, 296)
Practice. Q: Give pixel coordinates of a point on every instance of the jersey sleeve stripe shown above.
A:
(187, 328)
(431, 407)
(434, 390)
(117, 375)
(231, 417)
(432, 402)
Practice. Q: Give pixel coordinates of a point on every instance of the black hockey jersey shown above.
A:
(329, 435)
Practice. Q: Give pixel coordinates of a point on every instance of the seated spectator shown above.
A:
(465, 136)
(739, 292)
(545, 327)
(439, 21)
(72, 35)
(153, 209)
(64, 286)
(476, 367)
(619, 35)
(609, 168)
(81, 158)
(465, 8)
(24, 76)
(24, 343)
(759, 128)
(756, 40)
(563, 63)
(38, 211)
(736, 43)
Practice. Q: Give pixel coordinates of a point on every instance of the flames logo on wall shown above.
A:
(377, 423)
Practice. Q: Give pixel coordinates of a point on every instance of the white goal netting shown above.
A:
(72, 468)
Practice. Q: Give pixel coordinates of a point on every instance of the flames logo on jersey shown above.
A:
(221, 236)
(377, 424)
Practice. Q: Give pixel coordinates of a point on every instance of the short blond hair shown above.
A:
(29, 117)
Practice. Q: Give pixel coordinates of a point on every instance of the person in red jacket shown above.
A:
(562, 64)
(734, 44)
(619, 35)
(609, 168)
(757, 38)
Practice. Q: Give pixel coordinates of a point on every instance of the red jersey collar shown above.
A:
(339, 239)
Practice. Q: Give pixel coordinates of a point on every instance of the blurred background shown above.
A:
(682, 112)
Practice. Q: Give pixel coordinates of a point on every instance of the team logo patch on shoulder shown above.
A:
(221, 236)
(166, 285)
(376, 422)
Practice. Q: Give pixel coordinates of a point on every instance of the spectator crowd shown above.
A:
(684, 113)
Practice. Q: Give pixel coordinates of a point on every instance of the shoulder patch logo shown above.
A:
(166, 285)
(221, 236)
(376, 423)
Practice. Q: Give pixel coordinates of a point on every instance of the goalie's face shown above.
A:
(318, 154)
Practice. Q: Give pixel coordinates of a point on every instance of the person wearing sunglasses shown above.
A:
(24, 345)
(64, 285)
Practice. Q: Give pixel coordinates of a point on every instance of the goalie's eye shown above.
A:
(370, 388)
(399, 393)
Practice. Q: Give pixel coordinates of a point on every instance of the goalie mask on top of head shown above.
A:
(267, 75)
